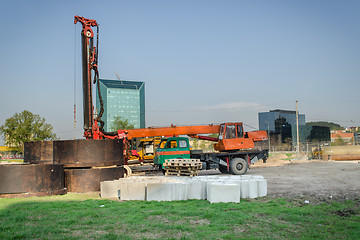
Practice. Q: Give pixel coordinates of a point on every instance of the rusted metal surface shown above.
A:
(88, 180)
(31, 179)
(88, 153)
(38, 152)
(36, 194)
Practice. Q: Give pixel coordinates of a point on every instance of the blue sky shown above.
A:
(202, 61)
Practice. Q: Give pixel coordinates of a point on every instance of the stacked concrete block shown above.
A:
(244, 188)
(262, 187)
(109, 189)
(253, 188)
(197, 190)
(217, 188)
(223, 192)
(159, 192)
(133, 191)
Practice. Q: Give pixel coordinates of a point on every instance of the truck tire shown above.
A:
(238, 166)
(223, 169)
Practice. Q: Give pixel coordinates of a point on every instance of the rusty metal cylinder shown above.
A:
(88, 153)
(31, 180)
(84, 163)
(88, 180)
(38, 152)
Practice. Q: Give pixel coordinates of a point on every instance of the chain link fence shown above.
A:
(325, 150)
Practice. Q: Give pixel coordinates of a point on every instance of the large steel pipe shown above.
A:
(31, 180)
(88, 180)
(38, 152)
(88, 153)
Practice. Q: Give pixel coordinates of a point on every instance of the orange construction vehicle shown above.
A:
(235, 149)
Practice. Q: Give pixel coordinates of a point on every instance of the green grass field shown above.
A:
(82, 216)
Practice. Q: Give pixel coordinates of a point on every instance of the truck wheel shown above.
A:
(223, 169)
(238, 166)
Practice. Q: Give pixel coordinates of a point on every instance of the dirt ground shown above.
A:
(309, 178)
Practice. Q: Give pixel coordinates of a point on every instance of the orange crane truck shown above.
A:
(235, 148)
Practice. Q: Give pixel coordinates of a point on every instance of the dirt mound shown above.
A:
(280, 159)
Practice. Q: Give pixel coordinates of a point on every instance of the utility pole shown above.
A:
(268, 125)
(297, 132)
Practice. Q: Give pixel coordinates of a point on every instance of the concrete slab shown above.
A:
(109, 189)
(197, 190)
(179, 191)
(159, 191)
(132, 191)
(161, 188)
(244, 189)
(223, 192)
(262, 187)
(253, 188)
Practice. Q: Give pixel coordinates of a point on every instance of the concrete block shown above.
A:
(159, 191)
(253, 189)
(197, 190)
(244, 189)
(223, 192)
(161, 188)
(180, 191)
(109, 189)
(132, 191)
(262, 187)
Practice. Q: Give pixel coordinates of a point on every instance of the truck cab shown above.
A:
(171, 148)
(232, 137)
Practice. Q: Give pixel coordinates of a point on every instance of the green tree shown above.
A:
(26, 126)
(338, 141)
(331, 125)
(195, 143)
(120, 123)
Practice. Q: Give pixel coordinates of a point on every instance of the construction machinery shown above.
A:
(234, 146)
(145, 151)
(235, 149)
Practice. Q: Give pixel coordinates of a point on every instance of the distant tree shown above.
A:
(202, 145)
(195, 143)
(120, 123)
(338, 141)
(24, 127)
(214, 135)
(331, 125)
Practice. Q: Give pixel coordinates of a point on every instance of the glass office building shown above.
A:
(122, 98)
(276, 118)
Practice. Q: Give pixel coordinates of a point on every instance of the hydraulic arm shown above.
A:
(89, 63)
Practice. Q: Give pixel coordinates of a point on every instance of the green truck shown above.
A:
(234, 162)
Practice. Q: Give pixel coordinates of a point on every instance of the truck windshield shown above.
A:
(230, 132)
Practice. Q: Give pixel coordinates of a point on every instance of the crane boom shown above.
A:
(169, 131)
